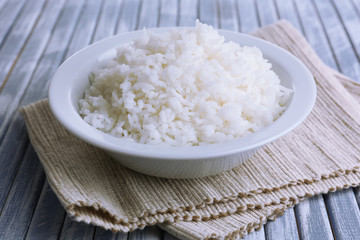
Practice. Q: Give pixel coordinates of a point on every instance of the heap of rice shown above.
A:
(184, 87)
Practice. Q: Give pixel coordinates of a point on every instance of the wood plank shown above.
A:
(22, 71)
(129, 16)
(267, 12)
(248, 16)
(16, 39)
(20, 204)
(9, 12)
(348, 62)
(101, 234)
(314, 32)
(312, 219)
(85, 27)
(283, 227)
(168, 13)
(149, 14)
(149, 233)
(107, 22)
(344, 214)
(208, 12)
(2, 3)
(55, 52)
(12, 151)
(256, 235)
(188, 12)
(168, 236)
(356, 6)
(357, 195)
(286, 10)
(350, 20)
(14, 142)
(76, 230)
(48, 217)
(228, 15)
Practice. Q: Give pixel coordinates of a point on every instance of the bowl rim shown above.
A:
(303, 100)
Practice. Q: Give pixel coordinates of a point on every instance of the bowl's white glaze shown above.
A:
(70, 80)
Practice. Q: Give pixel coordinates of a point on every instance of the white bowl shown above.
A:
(70, 80)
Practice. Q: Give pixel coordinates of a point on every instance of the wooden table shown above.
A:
(36, 36)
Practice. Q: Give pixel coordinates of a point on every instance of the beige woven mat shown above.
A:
(321, 155)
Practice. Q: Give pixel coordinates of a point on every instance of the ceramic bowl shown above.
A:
(71, 79)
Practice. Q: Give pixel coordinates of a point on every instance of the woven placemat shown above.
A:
(321, 155)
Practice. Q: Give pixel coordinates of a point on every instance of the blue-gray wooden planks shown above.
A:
(149, 14)
(312, 220)
(208, 12)
(188, 12)
(9, 12)
(283, 228)
(128, 20)
(168, 13)
(22, 199)
(339, 41)
(36, 36)
(20, 32)
(48, 218)
(228, 15)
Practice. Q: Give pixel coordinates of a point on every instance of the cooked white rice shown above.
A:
(184, 87)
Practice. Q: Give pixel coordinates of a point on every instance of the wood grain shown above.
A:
(208, 12)
(344, 53)
(128, 20)
(109, 17)
(312, 219)
(228, 15)
(350, 21)
(344, 214)
(22, 199)
(287, 10)
(248, 16)
(9, 12)
(188, 12)
(17, 82)
(283, 227)
(75, 230)
(314, 33)
(266, 11)
(256, 235)
(14, 43)
(149, 14)
(48, 218)
(168, 13)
